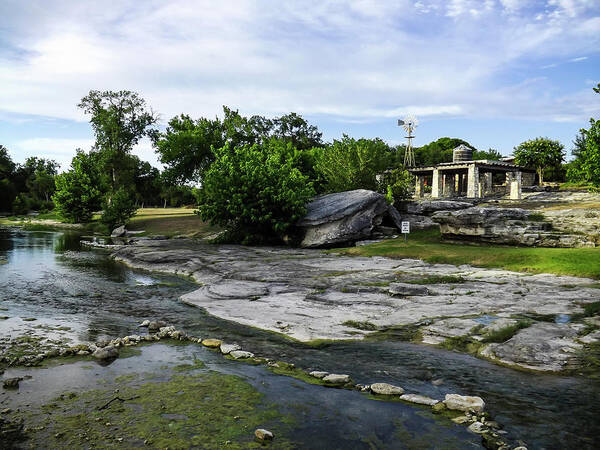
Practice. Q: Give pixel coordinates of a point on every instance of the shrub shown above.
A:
(256, 191)
(118, 209)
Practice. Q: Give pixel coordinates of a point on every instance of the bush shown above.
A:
(397, 184)
(256, 192)
(118, 209)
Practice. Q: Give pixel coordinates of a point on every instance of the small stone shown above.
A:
(263, 435)
(464, 403)
(477, 427)
(157, 325)
(212, 343)
(145, 323)
(11, 383)
(5, 411)
(334, 378)
(241, 354)
(386, 389)
(419, 399)
(228, 348)
(460, 420)
(437, 382)
(105, 353)
(318, 374)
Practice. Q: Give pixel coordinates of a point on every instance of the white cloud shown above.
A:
(59, 149)
(349, 60)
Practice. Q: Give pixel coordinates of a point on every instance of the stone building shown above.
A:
(464, 177)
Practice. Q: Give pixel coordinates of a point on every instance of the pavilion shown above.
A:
(464, 177)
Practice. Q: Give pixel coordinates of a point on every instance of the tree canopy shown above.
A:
(539, 153)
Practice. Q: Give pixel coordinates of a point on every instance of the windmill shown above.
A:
(409, 124)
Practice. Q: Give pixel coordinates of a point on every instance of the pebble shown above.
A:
(241, 354)
(228, 348)
(464, 403)
(263, 435)
(477, 427)
(11, 383)
(145, 323)
(419, 399)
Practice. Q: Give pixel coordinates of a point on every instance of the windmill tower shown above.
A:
(409, 124)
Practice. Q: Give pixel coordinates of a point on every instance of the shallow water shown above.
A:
(50, 278)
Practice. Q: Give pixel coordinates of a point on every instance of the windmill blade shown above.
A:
(400, 122)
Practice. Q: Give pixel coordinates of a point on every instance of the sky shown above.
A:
(492, 72)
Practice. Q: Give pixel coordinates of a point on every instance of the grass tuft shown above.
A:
(507, 332)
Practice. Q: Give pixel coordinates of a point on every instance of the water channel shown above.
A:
(80, 295)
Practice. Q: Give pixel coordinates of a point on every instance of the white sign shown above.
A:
(405, 227)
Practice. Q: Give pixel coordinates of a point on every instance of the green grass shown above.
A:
(367, 326)
(428, 246)
(591, 309)
(439, 279)
(170, 222)
(505, 333)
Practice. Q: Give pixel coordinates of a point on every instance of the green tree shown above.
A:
(438, 151)
(586, 165)
(118, 209)
(8, 191)
(185, 148)
(539, 153)
(255, 191)
(353, 164)
(78, 191)
(491, 154)
(119, 120)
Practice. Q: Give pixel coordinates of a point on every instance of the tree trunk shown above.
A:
(541, 175)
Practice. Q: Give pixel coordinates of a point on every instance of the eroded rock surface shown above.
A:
(308, 295)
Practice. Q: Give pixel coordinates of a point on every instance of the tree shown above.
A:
(353, 164)
(491, 154)
(8, 191)
(255, 191)
(118, 209)
(586, 165)
(78, 191)
(438, 151)
(539, 153)
(185, 148)
(119, 119)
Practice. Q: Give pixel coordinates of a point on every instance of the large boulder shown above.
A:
(346, 217)
(512, 226)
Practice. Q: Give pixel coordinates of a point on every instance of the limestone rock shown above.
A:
(212, 343)
(386, 389)
(318, 374)
(228, 348)
(119, 232)
(145, 323)
(407, 289)
(11, 383)
(477, 427)
(419, 399)
(428, 207)
(345, 217)
(464, 402)
(263, 435)
(513, 226)
(591, 337)
(156, 325)
(241, 354)
(105, 353)
(334, 378)
(461, 420)
(543, 346)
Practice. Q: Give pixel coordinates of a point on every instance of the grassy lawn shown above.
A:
(428, 246)
(170, 222)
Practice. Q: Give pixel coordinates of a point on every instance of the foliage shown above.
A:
(256, 191)
(539, 153)
(353, 164)
(78, 191)
(438, 151)
(186, 147)
(119, 120)
(586, 166)
(490, 154)
(118, 209)
(8, 191)
(507, 332)
(398, 185)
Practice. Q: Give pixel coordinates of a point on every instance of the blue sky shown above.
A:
(492, 72)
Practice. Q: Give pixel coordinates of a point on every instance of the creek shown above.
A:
(77, 295)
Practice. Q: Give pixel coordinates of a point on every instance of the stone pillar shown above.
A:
(473, 182)
(449, 180)
(488, 182)
(436, 184)
(514, 180)
(420, 186)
